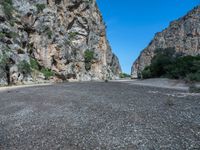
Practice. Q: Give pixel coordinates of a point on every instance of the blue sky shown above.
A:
(131, 24)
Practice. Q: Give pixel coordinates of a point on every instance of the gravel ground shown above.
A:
(97, 115)
(160, 82)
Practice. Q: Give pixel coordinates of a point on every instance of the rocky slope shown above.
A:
(54, 39)
(182, 34)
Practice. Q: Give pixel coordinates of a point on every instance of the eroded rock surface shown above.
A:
(54, 35)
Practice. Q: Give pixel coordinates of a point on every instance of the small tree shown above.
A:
(146, 73)
(162, 58)
(34, 64)
(47, 73)
(24, 67)
(89, 56)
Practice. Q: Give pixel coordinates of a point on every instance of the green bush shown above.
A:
(24, 67)
(72, 35)
(8, 1)
(89, 56)
(9, 34)
(34, 64)
(13, 35)
(185, 66)
(162, 58)
(8, 8)
(167, 63)
(47, 73)
(124, 75)
(40, 7)
(146, 73)
(193, 77)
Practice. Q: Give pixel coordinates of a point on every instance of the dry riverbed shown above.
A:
(98, 115)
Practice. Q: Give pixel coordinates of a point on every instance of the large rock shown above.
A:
(56, 33)
(182, 34)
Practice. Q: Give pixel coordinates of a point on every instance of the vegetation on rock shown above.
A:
(167, 63)
(72, 35)
(47, 73)
(56, 38)
(40, 7)
(8, 8)
(34, 64)
(89, 56)
(124, 75)
(24, 67)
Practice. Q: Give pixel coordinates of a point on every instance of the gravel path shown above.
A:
(99, 115)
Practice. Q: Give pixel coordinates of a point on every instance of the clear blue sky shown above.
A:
(131, 24)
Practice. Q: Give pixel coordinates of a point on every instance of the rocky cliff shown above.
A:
(182, 34)
(55, 40)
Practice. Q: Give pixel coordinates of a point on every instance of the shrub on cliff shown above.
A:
(167, 63)
(47, 73)
(89, 56)
(34, 64)
(24, 67)
(40, 7)
(7, 8)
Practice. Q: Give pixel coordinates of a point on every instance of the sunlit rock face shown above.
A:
(182, 34)
(55, 34)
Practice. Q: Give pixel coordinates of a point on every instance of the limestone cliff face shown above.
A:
(182, 34)
(54, 35)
